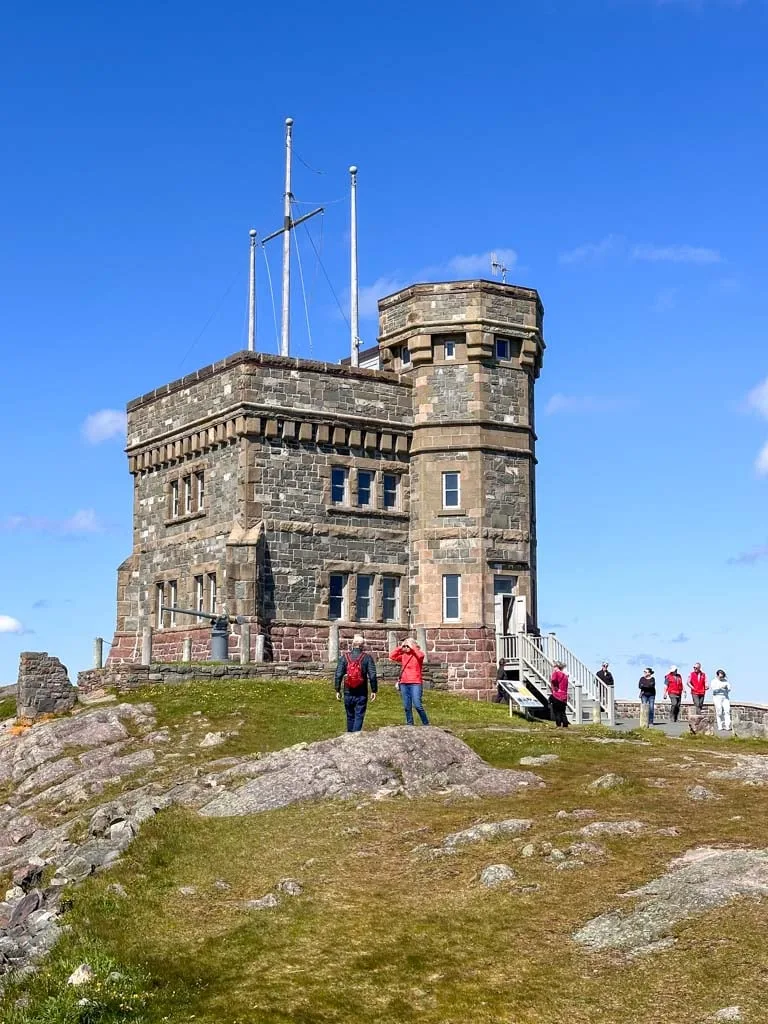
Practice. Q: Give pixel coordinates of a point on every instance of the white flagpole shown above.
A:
(285, 338)
(354, 322)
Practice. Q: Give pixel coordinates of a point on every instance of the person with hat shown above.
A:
(605, 675)
(673, 688)
(356, 669)
(648, 692)
(411, 681)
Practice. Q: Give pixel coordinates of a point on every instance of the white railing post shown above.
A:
(610, 706)
(578, 711)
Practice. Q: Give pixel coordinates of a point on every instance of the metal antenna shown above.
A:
(252, 293)
(498, 268)
(354, 322)
(288, 225)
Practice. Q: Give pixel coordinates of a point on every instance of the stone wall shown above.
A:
(43, 686)
(741, 713)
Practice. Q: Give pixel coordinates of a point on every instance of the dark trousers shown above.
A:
(558, 712)
(355, 705)
(410, 694)
(674, 699)
(698, 701)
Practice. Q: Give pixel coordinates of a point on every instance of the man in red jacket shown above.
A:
(673, 688)
(411, 683)
(697, 684)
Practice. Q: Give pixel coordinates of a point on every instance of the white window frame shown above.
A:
(200, 487)
(199, 604)
(404, 355)
(344, 577)
(345, 498)
(370, 578)
(173, 599)
(457, 474)
(371, 492)
(395, 580)
(188, 508)
(452, 353)
(159, 602)
(396, 477)
(174, 499)
(446, 598)
(498, 342)
(210, 584)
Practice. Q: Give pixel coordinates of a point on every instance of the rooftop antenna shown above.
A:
(252, 293)
(288, 225)
(498, 268)
(354, 321)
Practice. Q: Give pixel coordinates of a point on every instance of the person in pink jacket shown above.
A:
(411, 683)
(558, 700)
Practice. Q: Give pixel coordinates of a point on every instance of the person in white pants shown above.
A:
(721, 695)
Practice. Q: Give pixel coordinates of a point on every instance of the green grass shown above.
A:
(7, 708)
(386, 937)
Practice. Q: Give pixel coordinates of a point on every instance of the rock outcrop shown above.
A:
(393, 760)
(701, 880)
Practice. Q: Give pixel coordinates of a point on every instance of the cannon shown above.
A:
(219, 629)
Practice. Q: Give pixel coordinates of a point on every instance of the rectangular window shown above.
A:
(212, 593)
(364, 487)
(364, 591)
(390, 598)
(337, 596)
(174, 499)
(200, 483)
(159, 602)
(450, 350)
(508, 348)
(199, 594)
(187, 494)
(173, 595)
(391, 490)
(451, 598)
(339, 485)
(451, 490)
(405, 356)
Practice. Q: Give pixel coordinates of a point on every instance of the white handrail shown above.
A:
(578, 673)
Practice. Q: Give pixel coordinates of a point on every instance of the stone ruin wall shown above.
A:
(43, 687)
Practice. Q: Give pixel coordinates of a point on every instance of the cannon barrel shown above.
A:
(221, 617)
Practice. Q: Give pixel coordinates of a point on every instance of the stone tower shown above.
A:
(473, 350)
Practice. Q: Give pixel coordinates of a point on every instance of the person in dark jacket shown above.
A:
(648, 691)
(604, 675)
(356, 669)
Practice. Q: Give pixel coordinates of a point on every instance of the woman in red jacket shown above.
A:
(411, 683)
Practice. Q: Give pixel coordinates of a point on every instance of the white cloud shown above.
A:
(84, 521)
(582, 403)
(757, 399)
(761, 462)
(675, 254)
(10, 625)
(470, 266)
(750, 557)
(478, 263)
(369, 295)
(104, 425)
(590, 250)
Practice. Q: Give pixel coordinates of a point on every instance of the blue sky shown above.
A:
(615, 152)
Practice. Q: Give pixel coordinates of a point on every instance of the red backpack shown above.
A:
(354, 671)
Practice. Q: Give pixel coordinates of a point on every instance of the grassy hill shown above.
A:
(381, 933)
